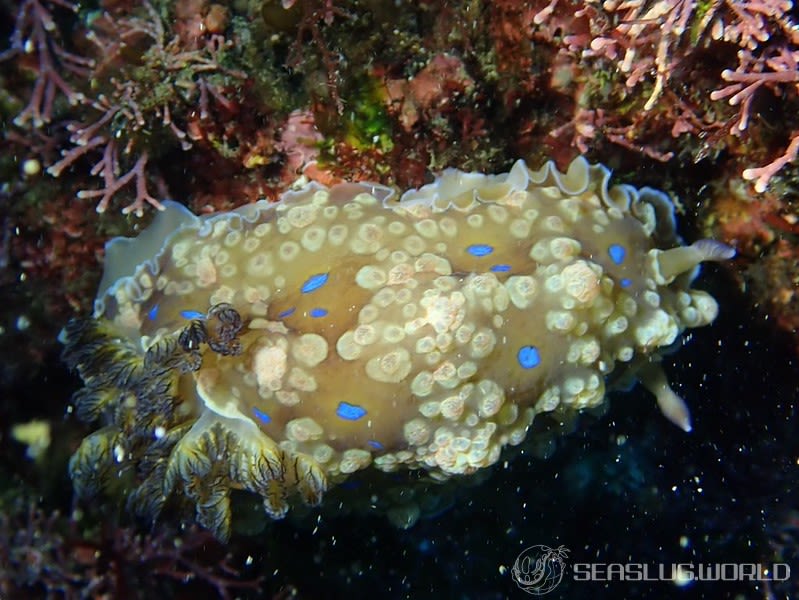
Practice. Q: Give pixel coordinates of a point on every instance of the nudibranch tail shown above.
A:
(283, 347)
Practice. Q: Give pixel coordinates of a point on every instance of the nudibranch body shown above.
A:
(281, 347)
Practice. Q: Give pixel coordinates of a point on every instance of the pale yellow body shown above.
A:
(422, 333)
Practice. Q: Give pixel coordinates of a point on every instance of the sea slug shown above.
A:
(281, 347)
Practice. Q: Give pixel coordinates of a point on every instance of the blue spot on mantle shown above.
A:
(375, 444)
(500, 268)
(350, 412)
(153, 313)
(192, 314)
(318, 312)
(314, 282)
(617, 253)
(262, 416)
(528, 357)
(625, 283)
(286, 313)
(480, 250)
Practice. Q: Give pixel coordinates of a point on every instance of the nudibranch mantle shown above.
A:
(282, 346)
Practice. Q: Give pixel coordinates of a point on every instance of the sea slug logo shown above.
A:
(539, 569)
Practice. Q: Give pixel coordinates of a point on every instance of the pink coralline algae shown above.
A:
(780, 74)
(651, 44)
(435, 85)
(146, 80)
(299, 141)
(34, 36)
